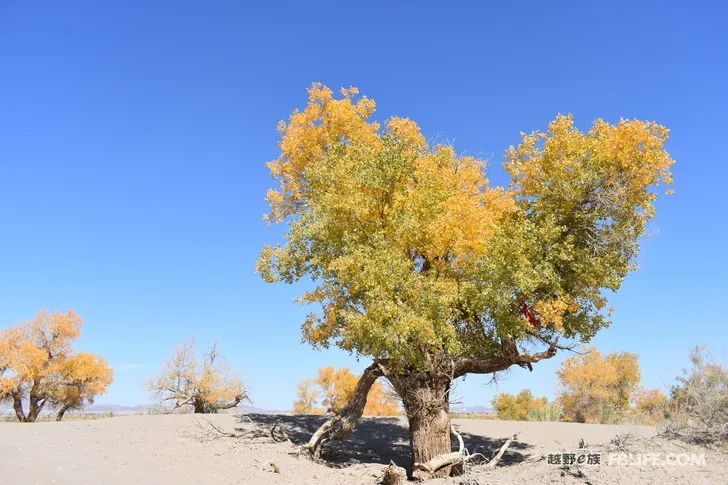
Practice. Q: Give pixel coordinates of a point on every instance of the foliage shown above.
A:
(651, 405)
(37, 364)
(549, 412)
(519, 406)
(701, 395)
(414, 255)
(596, 388)
(206, 383)
(333, 388)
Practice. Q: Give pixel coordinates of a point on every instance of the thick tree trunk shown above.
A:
(199, 407)
(426, 399)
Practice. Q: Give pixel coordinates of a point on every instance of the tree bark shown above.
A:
(343, 423)
(426, 399)
(35, 406)
(61, 412)
(199, 407)
(18, 408)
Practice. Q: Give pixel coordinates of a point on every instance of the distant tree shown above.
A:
(517, 407)
(333, 388)
(308, 397)
(651, 404)
(597, 388)
(37, 364)
(204, 383)
(420, 263)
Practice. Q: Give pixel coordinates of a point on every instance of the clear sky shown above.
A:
(133, 138)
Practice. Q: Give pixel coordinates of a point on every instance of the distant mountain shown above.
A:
(256, 410)
(472, 409)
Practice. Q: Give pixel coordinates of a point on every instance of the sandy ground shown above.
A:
(183, 449)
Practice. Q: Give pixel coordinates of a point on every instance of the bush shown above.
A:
(701, 400)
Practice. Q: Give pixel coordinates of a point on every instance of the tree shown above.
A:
(596, 388)
(206, 384)
(333, 388)
(37, 364)
(517, 407)
(421, 265)
(651, 404)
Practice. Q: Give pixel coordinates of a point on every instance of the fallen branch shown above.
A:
(494, 461)
(278, 434)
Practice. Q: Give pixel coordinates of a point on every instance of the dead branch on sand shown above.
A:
(211, 431)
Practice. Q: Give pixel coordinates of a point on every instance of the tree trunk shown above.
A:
(426, 399)
(199, 407)
(61, 412)
(35, 405)
(342, 424)
(18, 408)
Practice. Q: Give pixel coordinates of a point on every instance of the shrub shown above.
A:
(701, 399)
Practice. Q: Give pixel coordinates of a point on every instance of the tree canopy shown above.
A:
(416, 257)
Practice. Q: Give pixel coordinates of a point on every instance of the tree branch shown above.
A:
(500, 362)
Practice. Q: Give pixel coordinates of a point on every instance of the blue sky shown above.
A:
(133, 138)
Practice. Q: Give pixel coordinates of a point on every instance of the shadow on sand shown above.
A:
(379, 440)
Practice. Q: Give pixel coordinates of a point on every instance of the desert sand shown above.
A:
(167, 449)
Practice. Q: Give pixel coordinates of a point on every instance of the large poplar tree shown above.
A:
(422, 266)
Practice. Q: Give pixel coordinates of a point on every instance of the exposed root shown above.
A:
(394, 475)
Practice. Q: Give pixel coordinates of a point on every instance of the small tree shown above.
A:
(333, 388)
(596, 388)
(421, 264)
(205, 383)
(37, 364)
(517, 407)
